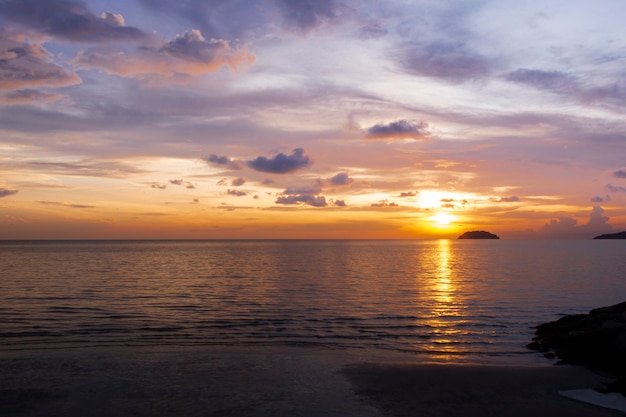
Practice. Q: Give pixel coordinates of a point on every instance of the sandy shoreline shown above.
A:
(307, 382)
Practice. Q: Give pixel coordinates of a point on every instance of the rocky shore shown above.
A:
(596, 340)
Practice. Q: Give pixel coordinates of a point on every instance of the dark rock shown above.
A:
(620, 235)
(533, 346)
(596, 340)
(478, 234)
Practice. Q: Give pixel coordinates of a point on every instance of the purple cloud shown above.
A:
(597, 199)
(308, 199)
(187, 184)
(27, 96)
(616, 189)
(58, 203)
(69, 20)
(281, 163)
(408, 194)
(5, 193)
(216, 18)
(27, 65)
(236, 193)
(545, 80)
(452, 62)
(567, 226)
(341, 179)
(238, 182)
(188, 54)
(620, 173)
(511, 199)
(400, 129)
(314, 189)
(306, 15)
(223, 160)
(385, 203)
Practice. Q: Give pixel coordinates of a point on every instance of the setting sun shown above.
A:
(443, 219)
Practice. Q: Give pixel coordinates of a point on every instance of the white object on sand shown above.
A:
(612, 400)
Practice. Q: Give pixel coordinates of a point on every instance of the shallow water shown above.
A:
(437, 299)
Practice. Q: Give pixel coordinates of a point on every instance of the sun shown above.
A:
(443, 219)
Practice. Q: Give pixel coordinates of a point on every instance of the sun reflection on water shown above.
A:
(446, 307)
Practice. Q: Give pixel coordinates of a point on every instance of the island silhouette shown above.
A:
(478, 234)
(620, 235)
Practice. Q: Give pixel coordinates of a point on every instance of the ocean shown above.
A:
(438, 300)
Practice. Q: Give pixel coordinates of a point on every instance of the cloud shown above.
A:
(5, 193)
(217, 18)
(314, 189)
(281, 163)
(385, 203)
(564, 84)
(225, 161)
(400, 129)
(27, 65)
(620, 173)
(187, 184)
(108, 169)
(236, 193)
(562, 224)
(58, 203)
(238, 182)
(308, 199)
(545, 80)
(597, 199)
(158, 186)
(68, 20)
(567, 227)
(373, 30)
(616, 189)
(597, 219)
(306, 15)
(408, 194)
(340, 203)
(448, 61)
(341, 179)
(113, 18)
(188, 54)
(27, 96)
(511, 199)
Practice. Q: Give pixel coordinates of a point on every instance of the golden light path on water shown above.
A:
(447, 308)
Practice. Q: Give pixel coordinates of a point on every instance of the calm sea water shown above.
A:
(441, 300)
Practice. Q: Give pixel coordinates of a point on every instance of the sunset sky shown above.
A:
(311, 118)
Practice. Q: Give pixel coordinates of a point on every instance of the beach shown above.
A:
(281, 381)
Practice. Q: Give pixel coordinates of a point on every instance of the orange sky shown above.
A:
(329, 119)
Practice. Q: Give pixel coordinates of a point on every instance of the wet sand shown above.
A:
(306, 382)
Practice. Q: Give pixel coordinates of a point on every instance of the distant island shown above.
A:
(478, 234)
(620, 235)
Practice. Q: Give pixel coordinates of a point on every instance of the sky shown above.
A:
(218, 119)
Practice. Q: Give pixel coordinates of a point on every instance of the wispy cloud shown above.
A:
(69, 20)
(188, 54)
(69, 205)
(5, 193)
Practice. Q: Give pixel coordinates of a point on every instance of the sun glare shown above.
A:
(443, 219)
